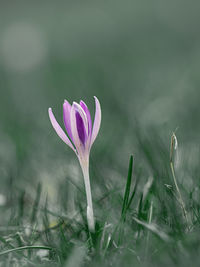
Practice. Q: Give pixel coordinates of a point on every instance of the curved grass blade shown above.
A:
(154, 229)
(125, 201)
(25, 248)
(127, 189)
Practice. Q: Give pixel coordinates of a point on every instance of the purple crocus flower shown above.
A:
(80, 137)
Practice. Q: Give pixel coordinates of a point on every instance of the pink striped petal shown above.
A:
(87, 112)
(59, 130)
(97, 120)
(66, 118)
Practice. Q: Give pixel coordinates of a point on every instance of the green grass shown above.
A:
(150, 230)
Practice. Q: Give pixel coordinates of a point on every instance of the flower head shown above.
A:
(78, 124)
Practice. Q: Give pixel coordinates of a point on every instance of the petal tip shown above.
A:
(49, 110)
(97, 120)
(96, 99)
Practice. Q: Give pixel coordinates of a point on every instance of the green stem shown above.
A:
(179, 194)
(149, 221)
(90, 213)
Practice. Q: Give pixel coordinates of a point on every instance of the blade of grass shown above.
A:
(125, 201)
(154, 229)
(36, 203)
(25, 248)
(127, 189)
(173, 147)
(21, 206)
(133, 194)
(149, 222)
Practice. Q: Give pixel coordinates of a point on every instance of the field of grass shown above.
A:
(142, 60)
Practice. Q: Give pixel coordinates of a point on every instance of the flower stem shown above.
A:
(173, 146)
(148, 233)
(179, 194)
(90, 214)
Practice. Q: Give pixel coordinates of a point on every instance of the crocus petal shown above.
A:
(74, 131)
(59, 130)
(80, 128)
(87, 112)
(82, 113)
(97, 120)
(66, 118)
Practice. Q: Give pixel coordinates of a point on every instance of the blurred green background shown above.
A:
(140, 58)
